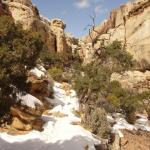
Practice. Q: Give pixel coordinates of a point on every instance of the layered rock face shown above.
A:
(133, 80)
(52, 32)
(129, 24)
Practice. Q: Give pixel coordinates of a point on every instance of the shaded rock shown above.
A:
(26, 121)
(38, 124)
(21, 115)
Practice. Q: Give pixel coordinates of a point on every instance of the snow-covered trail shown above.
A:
(59, 132)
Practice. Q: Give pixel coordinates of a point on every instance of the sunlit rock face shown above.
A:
(52, 32)
(58, 27)
(129, 24)
(133, 80)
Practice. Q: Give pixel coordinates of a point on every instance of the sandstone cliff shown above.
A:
(133, 80)
(52, 31)
(130, 24)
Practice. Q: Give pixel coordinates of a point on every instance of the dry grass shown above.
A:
(76, 123)
(59, 114)
(76, 113)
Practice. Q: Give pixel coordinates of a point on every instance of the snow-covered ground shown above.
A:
(120, 123)
(59, 132)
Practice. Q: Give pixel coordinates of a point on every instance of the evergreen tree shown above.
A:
(19, 51)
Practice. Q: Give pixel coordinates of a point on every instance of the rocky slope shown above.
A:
(52, 31)
(129, 24)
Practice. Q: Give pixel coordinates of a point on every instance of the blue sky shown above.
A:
(76, 13)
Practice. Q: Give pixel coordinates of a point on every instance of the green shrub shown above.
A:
(61, 60)
(145, 98)
(19, 51)
(115, 55)
(56, 73)
(96, 120)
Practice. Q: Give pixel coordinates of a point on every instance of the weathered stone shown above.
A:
(133, 80)
(129, 24)
(21, 115)
(52, 32)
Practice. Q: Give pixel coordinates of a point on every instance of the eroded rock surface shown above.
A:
(52, 32)
(133, 80)
(130, 24)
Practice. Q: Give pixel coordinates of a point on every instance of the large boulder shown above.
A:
(25, 121)
(40, 86)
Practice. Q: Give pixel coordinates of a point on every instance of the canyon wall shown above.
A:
(52, 31)
(130, 24)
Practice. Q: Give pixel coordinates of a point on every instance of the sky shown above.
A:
(76, 13)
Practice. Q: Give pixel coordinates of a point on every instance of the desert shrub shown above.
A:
(56, 73)
(61, 66)
(116, 57)
(95, 119)
(145, 97)
(93, 85)
(63, 60)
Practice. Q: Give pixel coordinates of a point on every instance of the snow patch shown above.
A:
(28, 100)
(37, 72)
(59, 132)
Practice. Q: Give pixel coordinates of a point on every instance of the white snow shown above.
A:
(28, 100)
(37, 72)
(40, 67)
(121, 123)
(59, 132)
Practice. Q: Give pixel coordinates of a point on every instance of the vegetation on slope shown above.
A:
(19, 51)
(97, 92)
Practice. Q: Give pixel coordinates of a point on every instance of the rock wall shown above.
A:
(52, 32)
(133, 80)
(130, 24)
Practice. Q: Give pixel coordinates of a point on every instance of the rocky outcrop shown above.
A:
(86, 52)
(129, 24)
(133, 80)
(52, 32)
(25, 121)
(58, 27)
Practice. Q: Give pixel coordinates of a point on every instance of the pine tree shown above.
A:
(19, 51)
